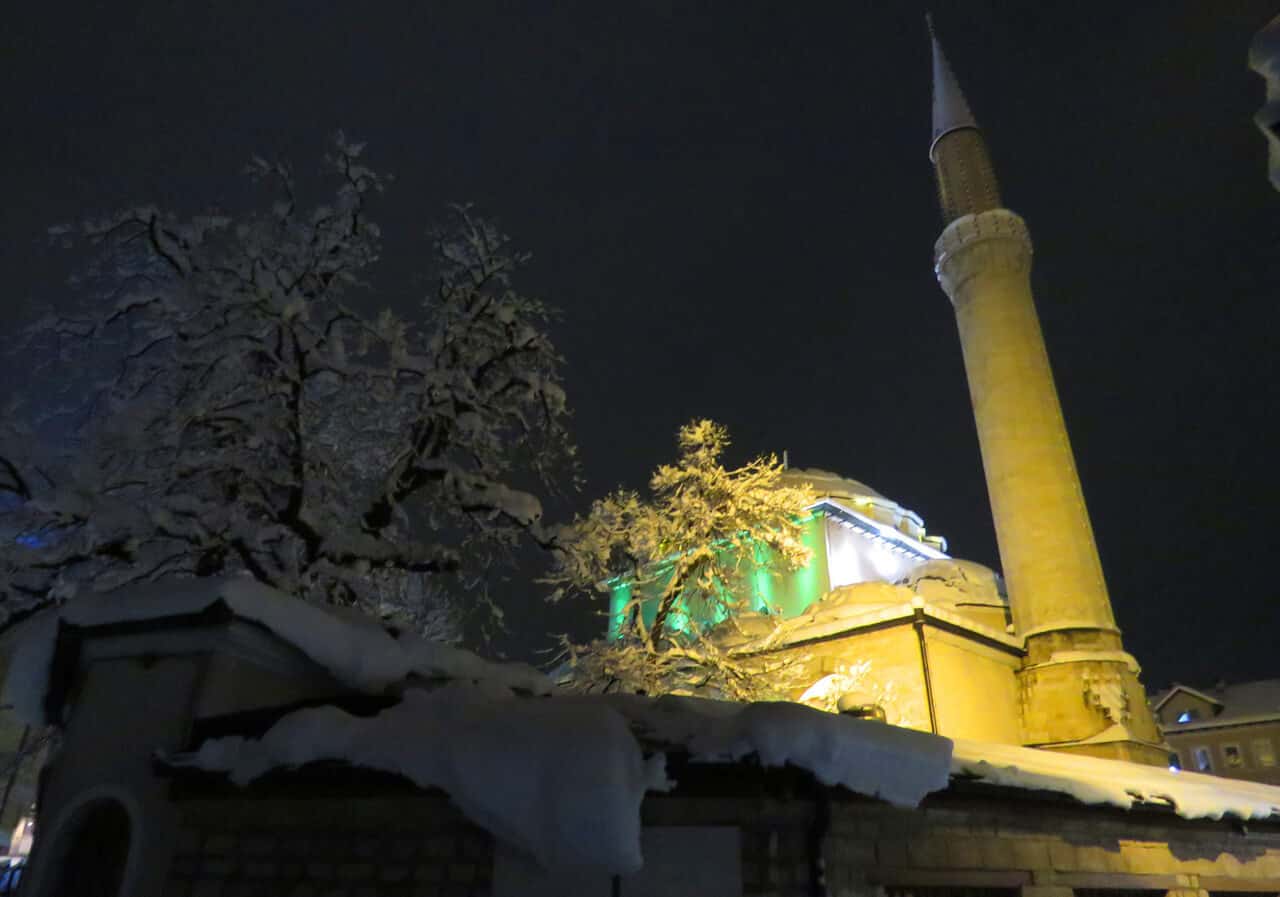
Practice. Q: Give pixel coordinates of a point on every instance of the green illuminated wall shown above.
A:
(789, 594)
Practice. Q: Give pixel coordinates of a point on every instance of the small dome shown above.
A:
(852, 601)
(952, 581)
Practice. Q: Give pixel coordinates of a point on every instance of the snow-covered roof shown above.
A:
(562, 775)
(1092, 780)
(1239, 704)
(359, 653)
(957, 581)
(502, 759)
(1163, 697)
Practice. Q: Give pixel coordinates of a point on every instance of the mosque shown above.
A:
(883, 618)
(223, 738)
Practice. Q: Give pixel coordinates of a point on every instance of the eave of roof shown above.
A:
(1186, 689)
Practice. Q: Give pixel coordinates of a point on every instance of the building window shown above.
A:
(1204, 760)
(1175, 761)
(1188, 716)
(1263, 752)
(1233, 756)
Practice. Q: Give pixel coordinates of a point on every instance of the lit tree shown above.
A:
(255, 419)
(700, 537)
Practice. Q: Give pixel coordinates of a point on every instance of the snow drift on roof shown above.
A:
(897, 765)
(1092, 780)
(1240, 702)
(358, 653)
(563, 777)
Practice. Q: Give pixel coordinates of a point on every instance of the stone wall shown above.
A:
(418, 844)
(1042, 848)
(413, 846)
(1046, 849)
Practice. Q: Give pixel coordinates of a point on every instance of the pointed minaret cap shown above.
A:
(950, 109)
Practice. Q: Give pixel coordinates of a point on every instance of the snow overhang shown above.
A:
(360, 654)
(563, 777)
(1092, 780)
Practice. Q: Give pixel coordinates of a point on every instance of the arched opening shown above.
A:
(93, 856)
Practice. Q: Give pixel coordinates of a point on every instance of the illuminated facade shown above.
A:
(855, 535)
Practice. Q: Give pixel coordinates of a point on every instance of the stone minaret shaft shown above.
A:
(1080, 690)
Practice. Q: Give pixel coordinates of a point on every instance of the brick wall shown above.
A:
(417, 846)
(1040, 847)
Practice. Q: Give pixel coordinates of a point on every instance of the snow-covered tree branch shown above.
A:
(254, 417)
(690, 550)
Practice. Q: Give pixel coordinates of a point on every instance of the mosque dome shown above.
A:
(858, 496)
(830, 485)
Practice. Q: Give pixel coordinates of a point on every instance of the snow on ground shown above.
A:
(1091, 780)
(358, 653)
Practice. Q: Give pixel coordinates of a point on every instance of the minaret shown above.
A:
(1080, 691)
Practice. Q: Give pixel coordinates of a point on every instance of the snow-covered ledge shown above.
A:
(358, 653)
(505, 760)
(561, 775)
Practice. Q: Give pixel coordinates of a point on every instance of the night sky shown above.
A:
(733, 206)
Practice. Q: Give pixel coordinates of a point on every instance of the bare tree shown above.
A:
(255, 418)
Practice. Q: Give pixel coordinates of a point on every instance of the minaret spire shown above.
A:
(950, 108)
(966, 180)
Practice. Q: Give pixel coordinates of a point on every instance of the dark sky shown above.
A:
(732, 204)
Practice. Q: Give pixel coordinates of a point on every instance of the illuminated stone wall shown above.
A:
(975, 689)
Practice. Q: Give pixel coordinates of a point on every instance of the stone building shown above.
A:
(1228, 730)
(222, 739)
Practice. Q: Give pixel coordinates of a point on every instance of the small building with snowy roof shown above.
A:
(221, 738)
(1228, 730)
